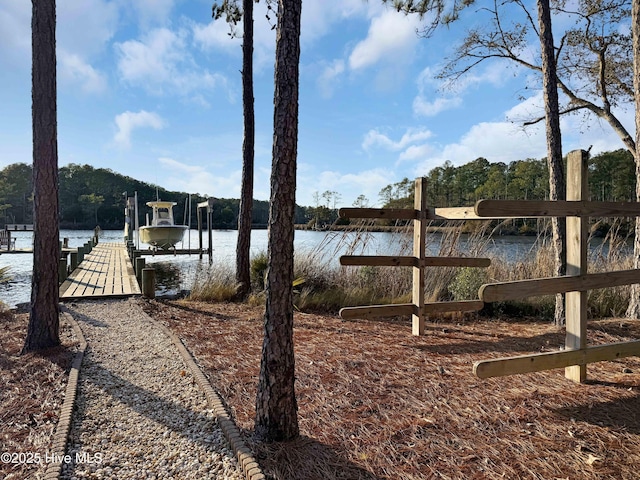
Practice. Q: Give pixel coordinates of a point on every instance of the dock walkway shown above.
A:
(105, 272)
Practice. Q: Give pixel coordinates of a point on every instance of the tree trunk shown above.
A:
(243, 248)
(554, 145)
(276, 406)
(43, 319)
(634, 302)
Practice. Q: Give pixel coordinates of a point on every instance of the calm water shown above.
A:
(177, 273)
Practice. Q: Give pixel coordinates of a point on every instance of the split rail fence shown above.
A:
(576, 283)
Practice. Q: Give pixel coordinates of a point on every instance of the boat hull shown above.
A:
(164, 237)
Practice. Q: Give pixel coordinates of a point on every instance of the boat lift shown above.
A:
(130, 226)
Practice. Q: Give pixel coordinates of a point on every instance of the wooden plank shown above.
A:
(456, 262)
(577, 239)
(448, 307)
(419, 252)
(547, 208)
(409, 261)
(397, 309)
(378, 260)
(374, 311)
(394, 213)
(104, 272)
(549, 360)
(497, 292)
(453, 213)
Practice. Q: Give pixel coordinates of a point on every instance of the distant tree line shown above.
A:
(611, 178)
(96, 196)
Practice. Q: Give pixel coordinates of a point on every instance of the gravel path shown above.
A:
(139, 413)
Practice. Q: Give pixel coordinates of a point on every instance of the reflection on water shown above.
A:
(168, 278)
(175, 274)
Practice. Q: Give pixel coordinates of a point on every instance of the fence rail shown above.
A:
(576, 284)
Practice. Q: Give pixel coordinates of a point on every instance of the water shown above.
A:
(178, 273)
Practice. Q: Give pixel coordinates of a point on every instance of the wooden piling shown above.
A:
(74, 260)
(149, 283)
(139, 267)
(62, 270)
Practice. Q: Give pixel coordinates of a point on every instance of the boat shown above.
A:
(162, 232)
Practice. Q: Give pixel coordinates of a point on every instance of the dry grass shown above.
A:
(31, 394)
(375, 402)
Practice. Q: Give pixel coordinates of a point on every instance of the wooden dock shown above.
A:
(105, 272)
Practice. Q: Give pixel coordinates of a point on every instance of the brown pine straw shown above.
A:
(32, 389)
(376, 402)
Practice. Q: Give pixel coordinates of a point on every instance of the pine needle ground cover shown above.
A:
(377, 403)
(32, 389)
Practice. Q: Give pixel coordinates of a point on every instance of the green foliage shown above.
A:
(467, 282)
(96, 196)
(258, 269)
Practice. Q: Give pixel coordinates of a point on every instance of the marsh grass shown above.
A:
(324, 286)
(4, 274)
(216, 284)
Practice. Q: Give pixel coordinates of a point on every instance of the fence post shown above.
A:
(577, 238)
(419, 241)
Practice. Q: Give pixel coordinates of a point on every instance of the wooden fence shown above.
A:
(577, 210)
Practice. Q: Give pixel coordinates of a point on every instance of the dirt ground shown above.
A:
(376, 402)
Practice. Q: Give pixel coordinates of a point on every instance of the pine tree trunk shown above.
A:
(554, 145)
(634, 303)
(276, 406)
(243, 248)
(43, 319)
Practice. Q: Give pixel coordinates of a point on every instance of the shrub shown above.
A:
(258, 270)
(467, 282)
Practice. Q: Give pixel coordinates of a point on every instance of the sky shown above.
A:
(151, 89)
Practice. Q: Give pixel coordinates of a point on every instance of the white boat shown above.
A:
(162, 232)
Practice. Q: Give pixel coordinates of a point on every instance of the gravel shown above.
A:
(139, 412)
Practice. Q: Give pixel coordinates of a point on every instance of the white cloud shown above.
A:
(215, 35)
(153, 11)
(85, 27)
(424, 108)
(328, 79)
(73, 69)
(436, 95)
(153, 59)
(129, 121)
(160, 60)
(319, 16)
(198, 179)
(373, 138)
(416, 152)
(349, 185)
(391, 39)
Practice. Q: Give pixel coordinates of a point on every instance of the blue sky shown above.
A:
(151, 89)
